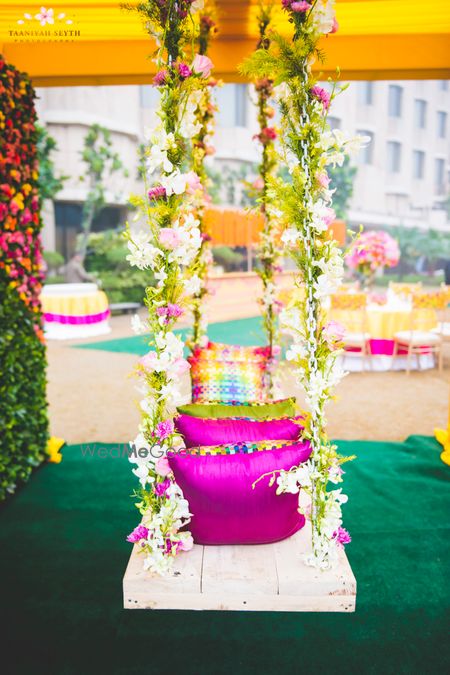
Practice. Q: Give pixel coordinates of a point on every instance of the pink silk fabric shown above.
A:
(76, 320)
(226, 509)
(199, 431)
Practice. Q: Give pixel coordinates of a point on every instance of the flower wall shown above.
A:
(23, 406)
(304, 208)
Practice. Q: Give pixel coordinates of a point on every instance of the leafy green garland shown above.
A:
(308, 147)
(269, 252)
(23, 404)
(169, 242)
(201, 147)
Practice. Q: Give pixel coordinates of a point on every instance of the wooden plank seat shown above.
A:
(267, 577)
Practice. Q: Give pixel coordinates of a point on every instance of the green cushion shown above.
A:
(283, 408)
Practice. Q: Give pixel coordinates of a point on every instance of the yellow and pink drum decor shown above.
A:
(73, 311)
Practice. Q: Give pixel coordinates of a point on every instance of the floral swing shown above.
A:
(228, 468)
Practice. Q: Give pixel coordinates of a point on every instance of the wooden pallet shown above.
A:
(268, 577)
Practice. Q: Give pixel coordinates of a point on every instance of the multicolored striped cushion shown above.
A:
(223, 352)
(228, 381)
(235, 448)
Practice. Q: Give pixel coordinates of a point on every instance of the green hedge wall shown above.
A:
(23, 405)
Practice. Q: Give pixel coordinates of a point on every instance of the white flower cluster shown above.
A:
(332, 272)
(336, 144)
(142, 252)
(323, 16)
(325, 545)
(189, 124)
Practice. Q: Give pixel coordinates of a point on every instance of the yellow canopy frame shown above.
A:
(99, 43)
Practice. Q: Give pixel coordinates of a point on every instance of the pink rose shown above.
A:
(258, 183)
(185, 544)
(162, 467)
(202, 65)
(148, 360)
(184, 70)
(333, 333)
(139, 532)
(323, 179)
(342, 537)
(157, 192)
(169, 238)
(300, 7)
(321, 95)
(330, 216)
(335, 26)
(160, 78)
(180, 366)
(164, 429)
(193, 182)
(161, 488)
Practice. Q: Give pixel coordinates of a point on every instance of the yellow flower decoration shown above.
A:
(443, 437)
(54, 445)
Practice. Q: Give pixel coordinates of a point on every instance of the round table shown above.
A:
(74, 311)
(382, 322)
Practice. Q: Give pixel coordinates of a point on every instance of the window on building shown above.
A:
(68, 224)
(365, 155)
(420, 113)
(365, 93)
(149, 96)
(232, 104)
(443, 85)
(439, 175)
(395, 96)
(334, 122)
(394, 156)
(418, 164)
(441, 124)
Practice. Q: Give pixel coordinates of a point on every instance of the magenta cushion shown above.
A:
(199, 431)
(225, 508)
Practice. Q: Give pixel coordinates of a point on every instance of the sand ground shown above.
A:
(93, 396)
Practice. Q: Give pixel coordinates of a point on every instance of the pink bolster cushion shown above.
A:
(226, 509)
(198, 431)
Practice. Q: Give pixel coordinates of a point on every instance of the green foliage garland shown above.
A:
(308, 148)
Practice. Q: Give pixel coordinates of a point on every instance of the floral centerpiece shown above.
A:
(370, 252)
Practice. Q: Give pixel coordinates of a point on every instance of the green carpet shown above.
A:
(64, 553)
(241, 331)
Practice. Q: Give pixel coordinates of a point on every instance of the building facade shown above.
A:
(402, 176)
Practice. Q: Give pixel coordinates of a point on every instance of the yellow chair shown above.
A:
(418, 342)
(405, 290)
(357, 336)
(350, 287)
(443, 311)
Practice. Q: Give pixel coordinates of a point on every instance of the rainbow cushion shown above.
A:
(198, 431)
(231, 498)
(223, 352)
(228, 381)
(276, 409)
